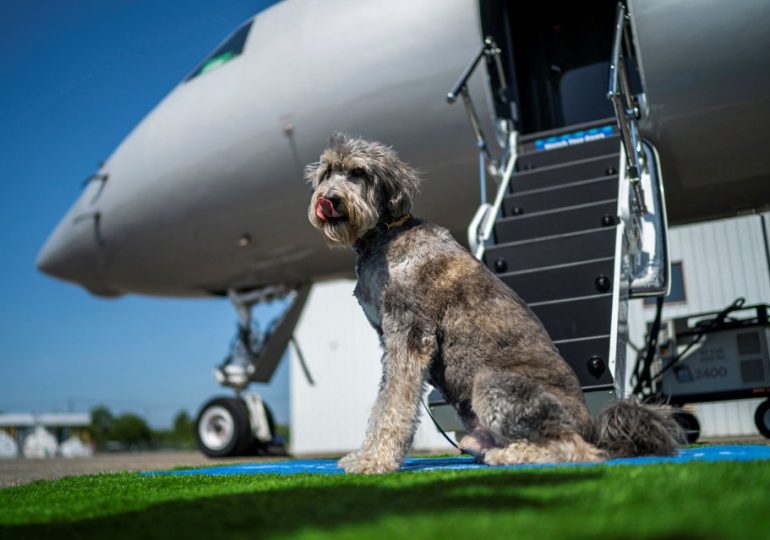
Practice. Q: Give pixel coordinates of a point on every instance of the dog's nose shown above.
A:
(333, 198)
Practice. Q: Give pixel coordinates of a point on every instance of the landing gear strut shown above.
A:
(243, 424)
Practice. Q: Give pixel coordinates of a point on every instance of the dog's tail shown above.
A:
(629, 428)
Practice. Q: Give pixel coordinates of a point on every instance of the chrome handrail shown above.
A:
(627, 111)
(491, 50)
(651, 277)
(483, 223)
(481, 226)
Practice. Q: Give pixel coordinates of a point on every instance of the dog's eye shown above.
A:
(358, 172)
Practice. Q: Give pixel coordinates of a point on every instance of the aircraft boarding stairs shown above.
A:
(557, 240)
(576, 229)
(566, 234)
(557, 243)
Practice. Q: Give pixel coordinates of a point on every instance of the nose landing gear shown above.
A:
(243, 424)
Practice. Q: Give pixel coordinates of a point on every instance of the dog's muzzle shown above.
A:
(324, 210)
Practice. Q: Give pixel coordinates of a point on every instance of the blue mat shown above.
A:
(329, 466)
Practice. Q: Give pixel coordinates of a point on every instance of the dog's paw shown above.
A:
(348, 460)
(573, 448)
(500, 456)
(477, 444)
(568, 449)
(519, 453)
(359, 463)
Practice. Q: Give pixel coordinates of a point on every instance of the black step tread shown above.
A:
(563, 282)
(553, 222)
(576, 318)
(546, 198)
(554, 267)
(531, 137)
(569, 248)
(544, 158)
(578, 354)
(566, 173)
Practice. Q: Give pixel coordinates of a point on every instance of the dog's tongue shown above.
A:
(324, 209)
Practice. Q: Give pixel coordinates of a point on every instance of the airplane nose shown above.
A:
(55, 257)
(74, 252)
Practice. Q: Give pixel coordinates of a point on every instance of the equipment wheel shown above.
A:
(689, 424)
(762, 418)
(222, 428)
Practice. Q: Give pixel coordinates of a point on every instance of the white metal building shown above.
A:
(719, 261)
(44, 435)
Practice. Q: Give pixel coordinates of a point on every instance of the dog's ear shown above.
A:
(313, 173)
(401, 184)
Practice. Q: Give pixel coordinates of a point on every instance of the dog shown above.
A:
(443, 318)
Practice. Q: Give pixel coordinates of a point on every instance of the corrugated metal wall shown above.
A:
(721, 260)
(343, 356)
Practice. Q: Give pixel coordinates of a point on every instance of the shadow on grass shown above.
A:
(270, 513)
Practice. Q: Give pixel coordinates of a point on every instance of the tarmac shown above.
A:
(17, 471)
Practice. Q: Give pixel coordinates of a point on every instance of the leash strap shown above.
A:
(441, 430)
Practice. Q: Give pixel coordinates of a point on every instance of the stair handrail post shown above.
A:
(487, 224)
(626, 109)
(473, 119)
(460, 89)
(482, 224)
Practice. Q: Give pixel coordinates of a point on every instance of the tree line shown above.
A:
(129, 431)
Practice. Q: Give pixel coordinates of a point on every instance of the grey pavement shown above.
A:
(21, 471)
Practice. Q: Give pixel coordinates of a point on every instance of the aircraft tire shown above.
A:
(689, 424)
(762, 418)
(222, 428)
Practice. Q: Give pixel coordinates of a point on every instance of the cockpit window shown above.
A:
(231, 48)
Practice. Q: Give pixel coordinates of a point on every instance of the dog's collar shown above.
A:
(381, 228)
(397, 223)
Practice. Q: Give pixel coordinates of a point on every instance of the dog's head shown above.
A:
(356, 185)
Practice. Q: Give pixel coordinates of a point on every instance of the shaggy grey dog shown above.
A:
(444, 318)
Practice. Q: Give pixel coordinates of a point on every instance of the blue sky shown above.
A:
(77, 76)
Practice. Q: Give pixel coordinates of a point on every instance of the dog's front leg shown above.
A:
(394, 417)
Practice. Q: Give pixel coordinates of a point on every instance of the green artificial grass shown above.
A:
(670, 501)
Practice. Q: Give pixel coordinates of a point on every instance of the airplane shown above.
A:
(205, 196)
